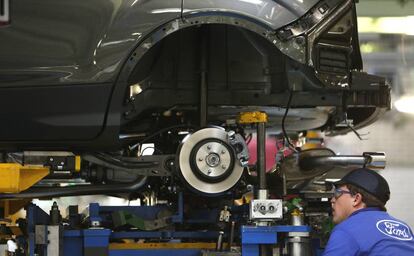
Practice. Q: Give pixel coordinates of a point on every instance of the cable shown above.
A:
(291, 146)
(160, 132)
(355, 131)
(165, 130)
(117, 163)
(248, 138)
(15, 158)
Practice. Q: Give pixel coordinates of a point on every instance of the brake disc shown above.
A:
(208, 163)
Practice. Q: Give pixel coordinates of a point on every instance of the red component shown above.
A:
(270, 152)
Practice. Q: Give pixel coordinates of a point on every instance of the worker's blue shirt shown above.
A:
(370, 231)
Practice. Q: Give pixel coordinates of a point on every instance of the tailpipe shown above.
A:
(371, 160)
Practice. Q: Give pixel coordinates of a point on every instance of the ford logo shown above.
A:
(395, 229)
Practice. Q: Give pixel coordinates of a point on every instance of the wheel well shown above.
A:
(237, 60)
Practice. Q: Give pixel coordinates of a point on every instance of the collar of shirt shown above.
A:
(368, 209)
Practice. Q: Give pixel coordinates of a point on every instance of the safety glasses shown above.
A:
(339, 192)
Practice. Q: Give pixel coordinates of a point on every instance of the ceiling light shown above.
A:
(405, 104)
(386, 25)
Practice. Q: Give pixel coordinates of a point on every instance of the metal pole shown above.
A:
(261, 156)
(203, 77)
(231, 240)
(220, 241)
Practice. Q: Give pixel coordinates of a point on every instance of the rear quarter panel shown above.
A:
(271, 13)
(59, 60)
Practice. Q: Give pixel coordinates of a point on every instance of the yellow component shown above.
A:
(313, 139)
(12, 210)
(252, 117)
(245, 199)
(130, 246)
(15, 178)
(15, 230)
(77, 163)
(296, 212)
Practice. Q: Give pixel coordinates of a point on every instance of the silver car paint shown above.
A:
(53, 42)
(273, 13)
(76, 41)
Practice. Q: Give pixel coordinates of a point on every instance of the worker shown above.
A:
(363, 225)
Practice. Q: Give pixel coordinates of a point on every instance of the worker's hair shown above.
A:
(369, 199)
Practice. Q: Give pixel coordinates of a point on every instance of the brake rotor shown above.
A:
(208, 163)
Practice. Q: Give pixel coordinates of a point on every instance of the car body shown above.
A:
(100, 78)
(66, 67)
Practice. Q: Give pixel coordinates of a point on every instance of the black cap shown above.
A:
(368, 180)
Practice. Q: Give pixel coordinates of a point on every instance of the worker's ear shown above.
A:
(357, 200)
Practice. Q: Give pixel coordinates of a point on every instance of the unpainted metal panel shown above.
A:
(272, 13)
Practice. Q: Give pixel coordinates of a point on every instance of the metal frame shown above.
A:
(254, 236)
(95, 241)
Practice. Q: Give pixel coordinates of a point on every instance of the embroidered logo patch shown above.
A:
(395, 229)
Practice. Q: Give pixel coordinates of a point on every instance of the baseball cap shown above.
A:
(368, 180)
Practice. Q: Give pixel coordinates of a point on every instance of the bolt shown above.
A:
(200, 159)
(223, 152)
(223, 166)
(209, 171)
(208, 147)
(300, 40)
(244, 163)
(231, 134)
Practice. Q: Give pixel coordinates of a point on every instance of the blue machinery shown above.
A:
(105, 233)
(56, 240)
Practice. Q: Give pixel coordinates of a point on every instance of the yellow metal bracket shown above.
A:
(77, 163)
(15, 178)
(252, 117)
(10, 209)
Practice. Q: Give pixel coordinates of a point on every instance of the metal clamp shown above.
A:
(252, 117)
(268, 209)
